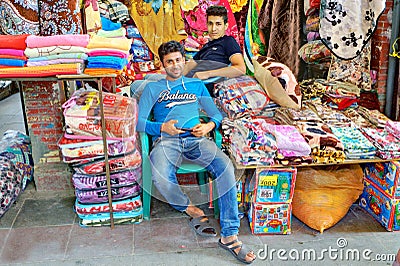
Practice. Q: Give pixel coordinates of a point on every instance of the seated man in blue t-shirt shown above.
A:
(221, 56)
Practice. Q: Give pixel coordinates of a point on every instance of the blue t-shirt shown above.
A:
(175, 100)
(219, 50)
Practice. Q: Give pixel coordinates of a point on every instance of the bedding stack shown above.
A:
(82, 147)
(12, 52)
(56, 54)
(16, 167)
(107, 55)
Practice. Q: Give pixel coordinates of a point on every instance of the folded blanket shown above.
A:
(14, 52)
(33, 41)
(59, 56)
(55, 61)
(41, 71)
(106, 62)
(13, 57)
(107, 52)
(101, 71)
(13, 41)
(52, 50)
(12, 62)
(121, 32)
(102, 42)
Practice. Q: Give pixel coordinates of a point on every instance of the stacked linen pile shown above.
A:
(329, 115)
(253, 142)
(57, 54)
(82, 146)
(142, 59)
(325, 146)
(388, 146)
(292, 147)
(107, 55)
(393, 127)
(374, 116)
(12, 49)
(289, 116)
(56, 49)
(356, 145)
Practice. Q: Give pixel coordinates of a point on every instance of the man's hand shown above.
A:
(169, 127)
(200, 130)
(202, 75)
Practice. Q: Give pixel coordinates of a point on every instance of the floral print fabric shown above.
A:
(10, 184)
(346, 26)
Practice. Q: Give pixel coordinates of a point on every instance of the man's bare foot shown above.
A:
(250, 256)
(194, 212)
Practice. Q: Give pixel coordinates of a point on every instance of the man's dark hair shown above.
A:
(170, 47)
(218, 11)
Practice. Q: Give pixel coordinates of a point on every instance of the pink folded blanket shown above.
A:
(13, 52)
(33, 41)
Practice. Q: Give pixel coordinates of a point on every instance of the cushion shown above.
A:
(278, 82)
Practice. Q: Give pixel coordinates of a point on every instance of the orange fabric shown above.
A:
(41, 71)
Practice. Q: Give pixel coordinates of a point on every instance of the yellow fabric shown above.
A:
(237, 5)
(101, 71)
(188, 5)
(103, 42)
(158, 28)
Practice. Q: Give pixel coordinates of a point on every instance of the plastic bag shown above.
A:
(323, 195)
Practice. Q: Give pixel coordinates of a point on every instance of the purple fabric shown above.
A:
(101, 195)
(87, 182)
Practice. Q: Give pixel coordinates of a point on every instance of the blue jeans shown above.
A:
(167, 155)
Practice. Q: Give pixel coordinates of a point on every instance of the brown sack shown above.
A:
(323, 195)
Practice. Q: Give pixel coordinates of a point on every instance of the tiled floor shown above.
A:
(42, 229)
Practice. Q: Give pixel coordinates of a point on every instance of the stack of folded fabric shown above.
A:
(357, 119)
(374, 116)
(388, 146)
(12, 49)
(393, 127)
(328, 115)
(56, 54)
(142, 59)
(292, 147)
(107, 55)
(325, 146)
(356, 145)
(289, 116)
(83, 148)
(253, 142)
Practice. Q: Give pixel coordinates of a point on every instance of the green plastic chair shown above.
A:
(185, 168)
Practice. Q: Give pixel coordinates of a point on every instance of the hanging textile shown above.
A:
(19, 17)
(254, 43)
(59, 17)
(158, 25)
(196, 19)
(281, 20)
(346, 26)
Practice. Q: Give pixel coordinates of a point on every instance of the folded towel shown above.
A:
(81, 40)
(12, 62)
(59, 56)
(108, 52)
(41, 71)
(52, 50)
(13, 41)
(106, 62)
(116, 43)
(55, 61)
(13, 52)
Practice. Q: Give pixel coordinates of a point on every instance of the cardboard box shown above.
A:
(270, 218)
(386, 176)
(272, 185)
(384, 209)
